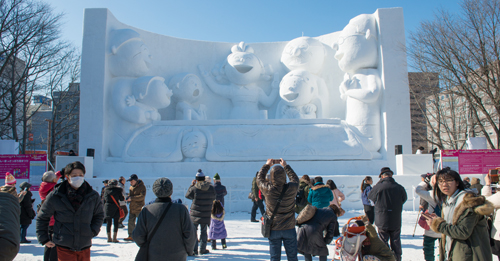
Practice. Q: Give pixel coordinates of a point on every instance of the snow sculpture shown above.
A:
(140, 103)
(187, 89)
(357, 55)
(128, 55)
(299, 93)
(307, 53)
(245, 72)
(194, 146)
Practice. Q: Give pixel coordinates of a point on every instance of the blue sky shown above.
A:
(236, 20)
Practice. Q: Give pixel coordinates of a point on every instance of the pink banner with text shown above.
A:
(470, 161)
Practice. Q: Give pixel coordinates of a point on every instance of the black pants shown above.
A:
(116, 220)
(214, 242)
(370, 213)
(257, 204)
(394, 236)
(50, 254)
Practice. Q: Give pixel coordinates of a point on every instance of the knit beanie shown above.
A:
(162, 188)
(385, 170)
(216, 176)
(9, 179)
(200, 176)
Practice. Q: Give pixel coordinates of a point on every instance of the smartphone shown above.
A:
(494, 175)
(276, 161)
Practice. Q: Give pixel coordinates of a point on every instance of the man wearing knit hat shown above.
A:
(176, 236)
(203, 194)
(389, 198)
(220, 190)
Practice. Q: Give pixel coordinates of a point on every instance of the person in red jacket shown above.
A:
(49, 181)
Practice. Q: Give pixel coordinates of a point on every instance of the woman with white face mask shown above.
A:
(78, 214)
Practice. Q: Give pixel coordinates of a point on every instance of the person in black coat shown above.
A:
(389, 198)
(27, 212)
(112, 209)
(313, 222)
(203, 195)
(220, 189)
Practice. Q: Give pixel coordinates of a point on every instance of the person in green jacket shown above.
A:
(463, 223)
(320, 194)
(304, 185)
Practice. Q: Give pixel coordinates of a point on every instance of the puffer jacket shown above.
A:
(137, 196)
(176, 235)
(111, 210)
(310, 237)
(202, 194)
(72, 229)
(467, 229)
(285, 216)
(44, 190)
(27, 212)
(320, 195)
(495, 200)
(10, 234)
(389, 198)
(217, 227)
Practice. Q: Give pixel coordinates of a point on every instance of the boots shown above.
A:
(109, 237)
(115, 235)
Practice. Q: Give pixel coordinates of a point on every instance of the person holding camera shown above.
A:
(283, 224)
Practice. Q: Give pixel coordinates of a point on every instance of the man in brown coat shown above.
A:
(283, 225)
(136, 198)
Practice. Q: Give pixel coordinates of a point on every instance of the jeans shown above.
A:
(308, 257)
(289, 239)
(203, 237)
(395, 237)
(131, 224)
(24, 229)
(257, 204)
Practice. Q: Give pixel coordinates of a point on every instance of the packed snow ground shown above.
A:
(244, 242)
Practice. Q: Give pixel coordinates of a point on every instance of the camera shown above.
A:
(276, 161)
(494, 175)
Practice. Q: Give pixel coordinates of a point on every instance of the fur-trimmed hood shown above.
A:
(306, 214)
(479, 203)
(320, 186)
(219, 218)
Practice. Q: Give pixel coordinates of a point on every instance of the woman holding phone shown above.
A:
(463, 224)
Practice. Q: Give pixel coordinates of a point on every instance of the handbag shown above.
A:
(266, 220)
(250, 196)
(143, 254)
(122, 213)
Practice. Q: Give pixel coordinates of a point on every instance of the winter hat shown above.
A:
(385, 170)
(9, 179)
(162, 188)
(133, 177)
(216, 176)
(200, 176)
(113, 182)
(49, 176)
(25, 185)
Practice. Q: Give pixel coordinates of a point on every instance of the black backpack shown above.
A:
(300, 199)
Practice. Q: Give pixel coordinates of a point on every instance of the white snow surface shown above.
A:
(244, 242)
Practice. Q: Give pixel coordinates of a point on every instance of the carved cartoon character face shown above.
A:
(191, 88)
(355, 49)
(194, 145)
(243, 68)
(132, 59)
(304, 53)
(298, 88)
(158, 95)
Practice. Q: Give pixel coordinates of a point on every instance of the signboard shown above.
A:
(470, 161)
(29, 167)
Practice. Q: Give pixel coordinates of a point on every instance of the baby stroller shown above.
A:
(348, 246)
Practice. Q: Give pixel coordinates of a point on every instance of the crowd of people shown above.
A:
(71, 213)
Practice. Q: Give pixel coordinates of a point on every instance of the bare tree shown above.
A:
(464, 50)
(29, 47)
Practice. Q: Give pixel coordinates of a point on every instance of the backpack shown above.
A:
(300, 199)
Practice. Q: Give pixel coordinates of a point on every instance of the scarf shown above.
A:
(75, 197)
